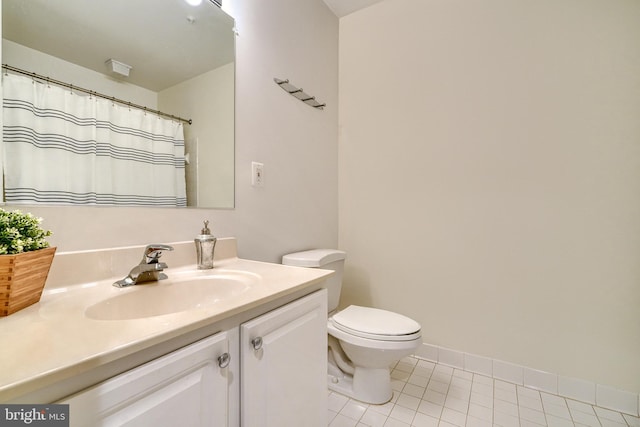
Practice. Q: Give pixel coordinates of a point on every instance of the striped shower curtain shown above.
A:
(61, 147)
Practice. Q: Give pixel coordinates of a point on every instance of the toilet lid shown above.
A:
(376, 324)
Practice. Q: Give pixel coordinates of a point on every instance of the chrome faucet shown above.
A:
(149, 269)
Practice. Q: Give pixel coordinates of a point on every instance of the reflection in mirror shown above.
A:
(182, 60)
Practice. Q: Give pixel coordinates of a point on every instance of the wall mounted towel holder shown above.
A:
(299, 93)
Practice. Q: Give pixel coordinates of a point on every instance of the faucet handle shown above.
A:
(153, 252)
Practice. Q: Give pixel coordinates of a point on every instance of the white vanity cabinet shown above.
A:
(188, 387)
(265, 371)
(284, 365)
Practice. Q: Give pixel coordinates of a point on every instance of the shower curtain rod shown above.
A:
(7, 67)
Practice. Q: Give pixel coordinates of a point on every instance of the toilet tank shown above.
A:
(328, 259)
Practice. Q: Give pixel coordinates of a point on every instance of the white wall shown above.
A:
(490, 177)
(297, 207)
(208, 100)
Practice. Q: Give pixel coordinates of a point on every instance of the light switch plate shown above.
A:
(257, 174)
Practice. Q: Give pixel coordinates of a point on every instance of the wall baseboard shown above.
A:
(572, 388)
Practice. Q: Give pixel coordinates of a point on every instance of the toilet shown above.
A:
(363, 341)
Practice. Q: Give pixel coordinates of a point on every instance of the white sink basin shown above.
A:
(171, 296)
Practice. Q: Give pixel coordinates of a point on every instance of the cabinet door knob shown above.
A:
(257, 343)
(224, 360)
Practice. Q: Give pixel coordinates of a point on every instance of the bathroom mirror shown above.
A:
(182, 59)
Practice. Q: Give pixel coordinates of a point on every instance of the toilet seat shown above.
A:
(376, 324)
(373, 344)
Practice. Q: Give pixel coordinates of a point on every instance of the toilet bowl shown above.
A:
(372, 340)
(363, 341)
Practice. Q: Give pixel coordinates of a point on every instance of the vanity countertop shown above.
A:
(54, 339)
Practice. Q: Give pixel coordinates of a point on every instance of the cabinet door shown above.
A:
(284, 365)
(185, 388)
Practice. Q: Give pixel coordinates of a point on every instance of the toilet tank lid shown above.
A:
(314, 257)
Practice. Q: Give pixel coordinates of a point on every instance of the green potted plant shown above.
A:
(25, 260)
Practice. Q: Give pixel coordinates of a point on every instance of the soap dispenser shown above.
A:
(205, 244)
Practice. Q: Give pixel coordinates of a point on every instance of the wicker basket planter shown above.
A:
(22, 279)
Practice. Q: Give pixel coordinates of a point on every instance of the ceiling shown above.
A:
(166, 41)
(345, 7)
(88, 36)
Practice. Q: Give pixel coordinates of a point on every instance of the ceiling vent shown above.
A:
(118, 67)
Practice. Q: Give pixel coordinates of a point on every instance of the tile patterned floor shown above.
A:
(432, 395)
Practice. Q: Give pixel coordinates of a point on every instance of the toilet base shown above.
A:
(367, 385)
